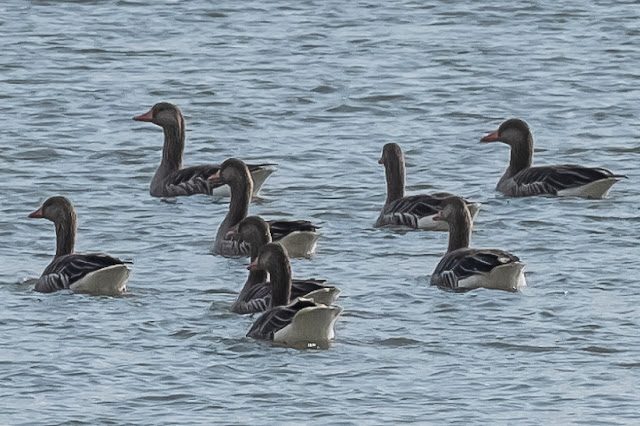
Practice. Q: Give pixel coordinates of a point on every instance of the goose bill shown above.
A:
(491, 137)
(148, 116)
(253, 265)
(37, 213)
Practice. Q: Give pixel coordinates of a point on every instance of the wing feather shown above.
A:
(63, 271)
(551, 179)
(258, 297)
(276, 319)
(281, 228)
(464, 263)
(407, 211)
(196, 180)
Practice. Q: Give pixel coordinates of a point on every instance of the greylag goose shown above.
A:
(522, 180)
(171, 179)
(299, 237)
(289, 322)
(463, 268)
(255, 296)
(414, 211)
(94, 273)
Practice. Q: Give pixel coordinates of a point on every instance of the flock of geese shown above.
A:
(302, 310)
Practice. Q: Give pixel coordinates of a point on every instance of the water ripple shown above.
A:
(319, 88)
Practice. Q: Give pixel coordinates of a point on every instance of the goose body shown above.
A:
(111, 280)
(298, 235)
(462, 268)
(414, 211)
(522, 180)
(255, 295)
(286, 322)
(418, 211)
(94, 273)
(171, 178)
(467, 269)
(300, 321)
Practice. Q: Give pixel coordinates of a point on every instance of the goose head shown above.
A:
(393, 162)
(56, 209)
(271, 258)
(454, 211)
(451, 210)
(254, 230)
(163, 114)
(513, 132)
(274, 259)
(59, 210)
(391, 152)
(235, 173)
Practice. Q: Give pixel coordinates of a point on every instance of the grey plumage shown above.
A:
(234, 172)
(551, 179)
(474, 265)
(255, 295)
(276, 318)
(63, 271)
(282, 312)
(171, 178)
(67, 267)
(522, 180)
(407, 211)
(466, 262)
(401, 210)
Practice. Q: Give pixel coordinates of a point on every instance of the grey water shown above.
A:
(319, 87)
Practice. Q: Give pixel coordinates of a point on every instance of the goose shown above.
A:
(522, 180)
(413, 211)
(255, 296)
(289, 322)
(95, 273)
(299, 236)
(463, 268)
(173, 180)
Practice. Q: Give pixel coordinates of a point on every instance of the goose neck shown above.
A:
(173, 149)
(280, 277)
(238, 206)
(460, 231)
(256, 276)
(521, 156)
(395, 174)
(65, 234)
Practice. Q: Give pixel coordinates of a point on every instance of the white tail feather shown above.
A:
(300, 243)
(474, 208)
(323, 296)
(312, 324)
(259, 176)
(508, 277)
(108, 281)
(597, 189)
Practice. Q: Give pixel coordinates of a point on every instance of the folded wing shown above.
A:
(63, 271)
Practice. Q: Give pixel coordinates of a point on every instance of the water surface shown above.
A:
(319, 88)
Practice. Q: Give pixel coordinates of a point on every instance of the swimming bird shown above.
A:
(95, 273)
(413, 211)
(463, 268)
(299, 236)
(255, 296)
(522, 180)
(171, 179)
(290, 322)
